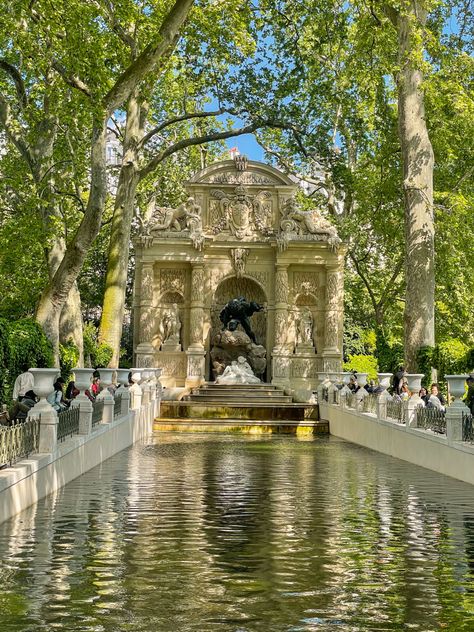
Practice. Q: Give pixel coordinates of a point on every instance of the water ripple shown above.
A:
(243, 534)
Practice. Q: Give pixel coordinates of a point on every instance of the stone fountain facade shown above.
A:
(240, 233)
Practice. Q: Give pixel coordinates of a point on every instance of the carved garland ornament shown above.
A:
(172, 280)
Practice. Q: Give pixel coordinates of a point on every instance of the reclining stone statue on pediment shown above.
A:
(300, 222)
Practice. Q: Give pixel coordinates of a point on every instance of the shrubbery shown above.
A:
(23, 344)
(68, 358)
(95, 354)
(362, 364)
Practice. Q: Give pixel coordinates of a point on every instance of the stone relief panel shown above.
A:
(240, 177)
(197, 281)
(281, 286)
(147, 282)
(305, 283)
(334, 289)
(281, 328)
(172, 280)
(195, 366)
(147, 325)
(303, 368)
(281, 366)
(173, 365)
(240, 213)
(238, 257)
(331, 334)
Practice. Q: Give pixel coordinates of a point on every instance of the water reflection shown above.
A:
(196, 532)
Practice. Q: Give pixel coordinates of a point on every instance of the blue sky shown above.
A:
(248, 146)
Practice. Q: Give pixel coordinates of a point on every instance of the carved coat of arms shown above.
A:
(240, 213)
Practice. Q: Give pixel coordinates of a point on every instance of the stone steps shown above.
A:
(284, 426)
(258, 410)
(238, 398)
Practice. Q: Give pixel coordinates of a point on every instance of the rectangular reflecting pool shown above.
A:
(211, 532)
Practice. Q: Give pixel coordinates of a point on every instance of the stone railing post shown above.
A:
(136, 390)
(381, 404)
(48, 437)
(455, 412)
(125, 401)
(82, 380)
(106, 396)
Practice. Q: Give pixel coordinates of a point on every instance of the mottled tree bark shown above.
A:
(418, 162)
(113, 309)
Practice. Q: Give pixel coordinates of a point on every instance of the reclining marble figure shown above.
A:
(238, 372)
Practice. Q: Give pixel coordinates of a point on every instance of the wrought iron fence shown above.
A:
(351, 400)
(117, 404)
(19, 441)
(68, 423)
(325, 394)
(97, 412)
(467, 427)
(396, 411)
(431, 419)
(369, 404)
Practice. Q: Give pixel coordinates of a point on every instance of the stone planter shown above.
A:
(122, 376)
(44, 380)
(456, 387)
(362, 379)
(82, 378)
(384, 379)
(414, 382)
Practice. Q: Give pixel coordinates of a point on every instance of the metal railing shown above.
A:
(97, 412)
(396, 411)
(68, 423)
(325, 394)
(467, 427)
(369, 404)
(19, 441)
(431, 419)
(117, 404)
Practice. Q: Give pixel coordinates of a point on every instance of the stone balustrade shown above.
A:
(106, 409)
(441, 440)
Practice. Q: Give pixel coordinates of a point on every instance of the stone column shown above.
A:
(333, 317)
(144, 350)
(196, 351)
(281, 352)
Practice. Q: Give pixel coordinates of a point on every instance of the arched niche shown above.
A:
(233, 287)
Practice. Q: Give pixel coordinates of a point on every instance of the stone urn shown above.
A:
(44, 380)
(456, 388)
(362, 379)
(106, 375)
(122, 376)
(82, 381)
(384, 380)
(414, 382)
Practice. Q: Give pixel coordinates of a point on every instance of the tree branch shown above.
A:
(71, 80)
(17, 80)
(178, 119)
(189, 142)
(12, 134)
(156, 53)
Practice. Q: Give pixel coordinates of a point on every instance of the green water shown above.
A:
(234, 533)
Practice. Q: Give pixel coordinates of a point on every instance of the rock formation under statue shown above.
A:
(230, 345)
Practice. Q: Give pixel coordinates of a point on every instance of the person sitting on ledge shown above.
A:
(19, 410)
(56, 398)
